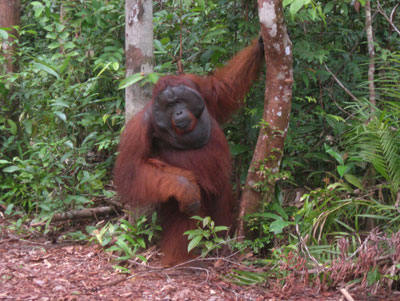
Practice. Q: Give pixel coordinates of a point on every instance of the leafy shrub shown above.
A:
(63, 111)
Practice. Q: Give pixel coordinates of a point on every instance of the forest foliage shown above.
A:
(62, 113)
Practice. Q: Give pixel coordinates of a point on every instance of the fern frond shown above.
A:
(378, 143)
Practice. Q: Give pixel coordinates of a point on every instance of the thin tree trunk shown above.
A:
(9, 17)
(371, 53)
(62, 21)
(278, 94)
(10, 13)
(138, 51)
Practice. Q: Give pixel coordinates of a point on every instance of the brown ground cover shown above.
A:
(40, 268)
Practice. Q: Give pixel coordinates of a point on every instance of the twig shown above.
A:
(307, 251)
(181, 266)
(359, 248)
(7, 240)
(339, 107)
(397, 204)
(346, 294)
(115, 203)
(390, 20)
(340, 84)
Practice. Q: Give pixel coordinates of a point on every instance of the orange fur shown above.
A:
(146, 172)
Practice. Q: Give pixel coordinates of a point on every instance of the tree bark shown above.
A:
(138, 52)
(139, 58)
(277, 105)
(9, 17)
(371, 53)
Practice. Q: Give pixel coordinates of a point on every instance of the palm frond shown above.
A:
(378, 143)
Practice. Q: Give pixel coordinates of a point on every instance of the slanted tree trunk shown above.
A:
(9, 17)
(138, 52)
(278, 95)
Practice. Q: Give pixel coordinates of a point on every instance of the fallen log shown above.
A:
(83, 213)
(78, 214)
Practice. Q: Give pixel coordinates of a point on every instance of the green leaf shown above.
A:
(47, 69)
(305, 79)
(141, 242)
(194, 242)
(220, 228)
(328, 7)
(206, 221)
(11, 169)
(159, 46)
(115, 66)
(3, 34)
(60, 27)
(342, 169)
(206, 56)
(69, 144)
(196, 217)
(334, 154)
(286, 2)
(215, 33)
(237, 149)
(60, 103)
(130, 80)
(278, 225)
(64, 65)
(69, 45)
(13, 126)
(201, 4)
(354, 181)
(9, 209)
(28, 127)
(248, 278)
(61, 115)
(142, 258)
(89, 137)
(296, 6)
(153, 77)
(54, 45)
(124, 247)
(38, 7)
(121, 269)
(373, 276)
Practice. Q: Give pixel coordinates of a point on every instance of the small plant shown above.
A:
(205, 236)
(269, 223)
(124, 238)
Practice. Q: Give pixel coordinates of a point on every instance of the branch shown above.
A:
(340, 83)
(346, 294)
(78, 214)
(390, 20)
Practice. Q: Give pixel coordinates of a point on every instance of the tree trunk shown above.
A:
(139, 58)
(371, 53)
(9, 17)
(138, 51)
(278, 94)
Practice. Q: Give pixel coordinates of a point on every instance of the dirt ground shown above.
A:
(40, 268)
